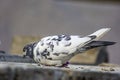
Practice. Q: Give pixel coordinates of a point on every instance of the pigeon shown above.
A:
(57, 50)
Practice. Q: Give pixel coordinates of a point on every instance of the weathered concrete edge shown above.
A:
(28, 71)
(79, 68)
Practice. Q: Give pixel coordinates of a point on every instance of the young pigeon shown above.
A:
(57, 50)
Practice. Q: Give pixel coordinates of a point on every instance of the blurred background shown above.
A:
(50, 17)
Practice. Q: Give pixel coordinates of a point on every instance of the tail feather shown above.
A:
(100, 33)
(95, 44)
(94, 36)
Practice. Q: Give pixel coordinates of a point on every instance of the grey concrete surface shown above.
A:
(27, 71)
(50, 17)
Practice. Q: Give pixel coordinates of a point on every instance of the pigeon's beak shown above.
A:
(95, 44)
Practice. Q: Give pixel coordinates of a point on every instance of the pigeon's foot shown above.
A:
(65, 64)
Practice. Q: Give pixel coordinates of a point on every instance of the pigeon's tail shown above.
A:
(95, 44)
(100, 33)
(93, 37)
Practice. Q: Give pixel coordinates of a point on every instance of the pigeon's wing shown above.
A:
(66, 46)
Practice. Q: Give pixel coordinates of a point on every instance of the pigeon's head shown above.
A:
(28, 50)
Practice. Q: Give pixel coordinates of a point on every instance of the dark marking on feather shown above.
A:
(92, 37)
(57, 54)
(59, 38)
(49, 58)
(55, 39)
(45, 53)
(48, 53)
(38, 53)
(42, 44)
(48, 39)
(68, 44)
(67, 38)
(39, 59)
(64, 53)
(49, 43)
(52, 46)
(62, 36)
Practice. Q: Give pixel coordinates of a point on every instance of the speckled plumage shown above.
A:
(58, 49)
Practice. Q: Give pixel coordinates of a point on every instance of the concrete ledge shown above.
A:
(27, 71)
